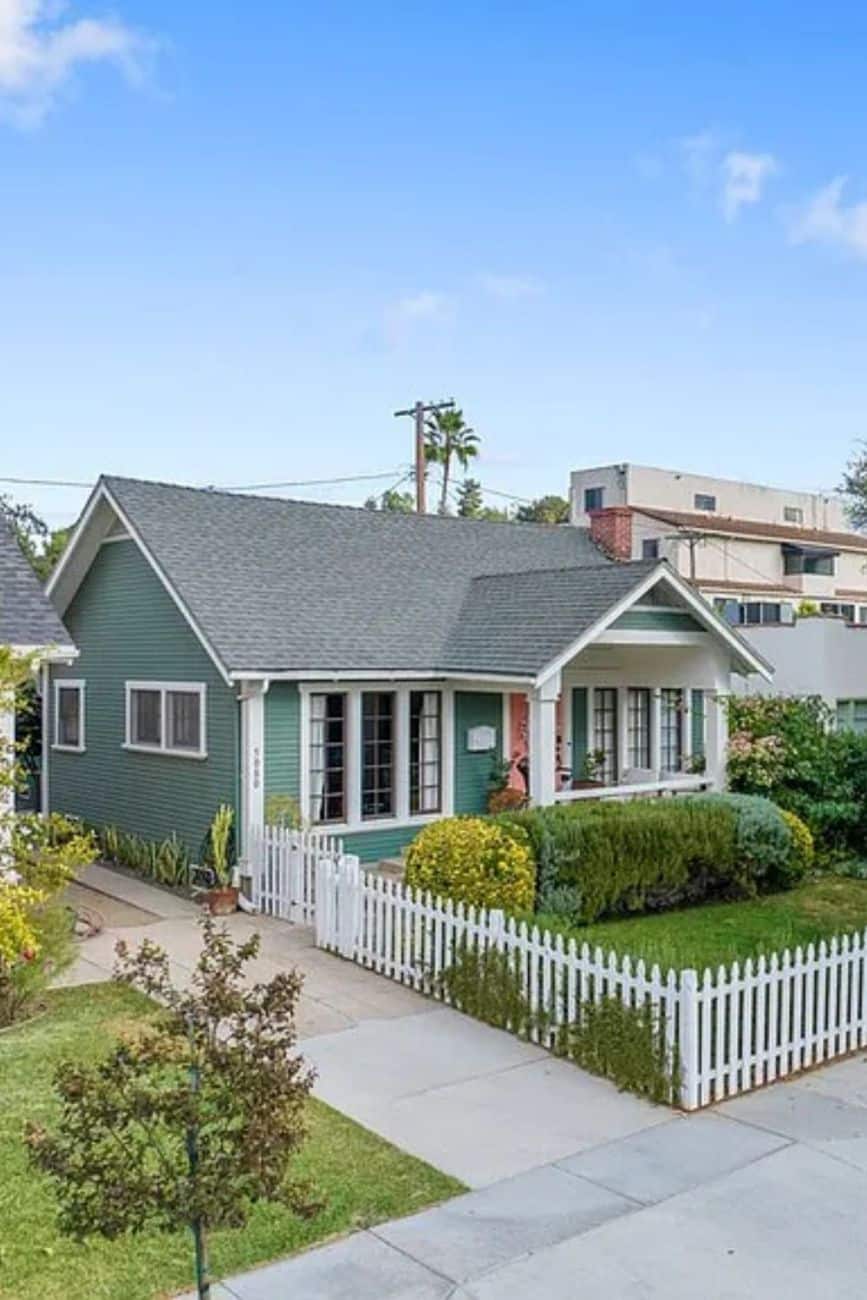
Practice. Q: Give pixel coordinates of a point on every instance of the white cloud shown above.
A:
(744, 176)
(426, 305)
(826, 219)
(509, 288)
(39, 54)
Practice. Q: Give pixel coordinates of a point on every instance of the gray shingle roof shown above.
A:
(519, 622)
(290, 585)
(27, 617)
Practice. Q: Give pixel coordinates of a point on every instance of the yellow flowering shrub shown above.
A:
(474, 861)
(803, 846)
(18, 935)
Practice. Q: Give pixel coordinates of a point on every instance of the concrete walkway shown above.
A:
(577, 1189)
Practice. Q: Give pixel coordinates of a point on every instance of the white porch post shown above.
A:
(543, 740)
(252, 760)
(717, 730)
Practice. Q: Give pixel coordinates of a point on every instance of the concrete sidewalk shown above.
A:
(577, 1188)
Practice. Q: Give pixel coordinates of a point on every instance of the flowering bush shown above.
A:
(757, 762)
(475, 861)
(38, 856)
(803, 851)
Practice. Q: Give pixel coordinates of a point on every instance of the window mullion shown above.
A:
(353, 757)
(401, 756)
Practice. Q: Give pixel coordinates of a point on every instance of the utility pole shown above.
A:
(418, 412)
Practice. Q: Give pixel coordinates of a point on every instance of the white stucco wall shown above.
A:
(667, 489)
(817, 656)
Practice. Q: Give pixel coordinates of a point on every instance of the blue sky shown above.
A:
(234, 238)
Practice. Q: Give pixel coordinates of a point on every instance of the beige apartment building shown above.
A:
(781, 564)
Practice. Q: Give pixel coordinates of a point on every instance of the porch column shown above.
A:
(716, 722)
(543, 740)
(252, 760)
(656, 731)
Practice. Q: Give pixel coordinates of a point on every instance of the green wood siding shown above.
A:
(473, 771)
(384, 843)
(127, 627)
(282, 740)
(579, 730)
(697, 723)
(657, 620)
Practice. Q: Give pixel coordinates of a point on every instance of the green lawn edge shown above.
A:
(361, 1178)
(715, 934)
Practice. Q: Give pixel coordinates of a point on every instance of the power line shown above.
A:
(44, 482)
(247, 487)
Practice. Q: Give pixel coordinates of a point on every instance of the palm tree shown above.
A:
(448, 437)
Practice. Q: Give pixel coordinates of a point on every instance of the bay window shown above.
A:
(425, 751)
(373, 754)
(377, 753)
(328, 757)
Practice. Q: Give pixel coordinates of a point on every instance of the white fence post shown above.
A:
(689, 1087)
(347, 876)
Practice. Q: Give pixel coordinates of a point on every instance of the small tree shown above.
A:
(544, 510)
(193, 1120)
(853, 486)
(470, 503)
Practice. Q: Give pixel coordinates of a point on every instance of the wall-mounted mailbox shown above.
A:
(481, 739)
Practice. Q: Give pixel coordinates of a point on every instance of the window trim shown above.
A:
(69, 683)
(353, 690)
(165, 689)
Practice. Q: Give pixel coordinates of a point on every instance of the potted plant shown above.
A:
(592, 770)
(222, 898)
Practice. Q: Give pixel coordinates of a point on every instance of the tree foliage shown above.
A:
(38, 856)
(854, 486)
(448, 438)
(40, 546)
(544, 510)
(197, 1117)
(393, 502)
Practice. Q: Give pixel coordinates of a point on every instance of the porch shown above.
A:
(622, 721)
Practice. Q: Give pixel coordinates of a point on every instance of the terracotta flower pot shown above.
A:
(223, 900)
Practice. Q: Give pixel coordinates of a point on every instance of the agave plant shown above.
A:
(221, 830)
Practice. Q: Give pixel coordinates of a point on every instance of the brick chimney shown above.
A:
(611, 530)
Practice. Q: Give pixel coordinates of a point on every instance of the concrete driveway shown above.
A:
(577, 1190)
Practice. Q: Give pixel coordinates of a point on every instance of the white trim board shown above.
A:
(165, 689)
(68, 684)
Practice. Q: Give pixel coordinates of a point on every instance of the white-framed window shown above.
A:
(671, 720)
(638, 725)
(793, 514)
(605, 732)
(704, 501)
(166, 718)
(373, 752)
(69, 715)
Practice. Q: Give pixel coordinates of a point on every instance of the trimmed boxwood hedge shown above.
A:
(610, 858)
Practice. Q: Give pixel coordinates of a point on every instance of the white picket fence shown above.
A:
(733, 1031)
(282, 867)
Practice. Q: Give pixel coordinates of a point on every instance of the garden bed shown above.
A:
(360, 1178)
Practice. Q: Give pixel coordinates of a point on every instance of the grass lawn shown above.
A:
(360, 1178)
(724, 932)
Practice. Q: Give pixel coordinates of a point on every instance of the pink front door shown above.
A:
(519, 742)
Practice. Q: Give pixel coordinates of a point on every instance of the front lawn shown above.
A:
(723, 932)
(360, 1178)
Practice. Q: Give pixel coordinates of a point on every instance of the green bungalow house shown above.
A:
(373, 667)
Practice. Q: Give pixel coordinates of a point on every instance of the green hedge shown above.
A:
(606, 858)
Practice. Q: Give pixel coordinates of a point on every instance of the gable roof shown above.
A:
(520, 622)
(277, 586)
(27, 617)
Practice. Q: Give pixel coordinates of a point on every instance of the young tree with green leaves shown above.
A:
(854, 486)
(40, 546)
(194, 1119)
(470, 502)
(448, 438)
(393, 502)
(544, 510)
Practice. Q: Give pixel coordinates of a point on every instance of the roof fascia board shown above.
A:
(98, 494)
(378, 675)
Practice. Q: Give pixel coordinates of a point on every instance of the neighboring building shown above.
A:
(28, 622)
(372, 667)
(772, 561)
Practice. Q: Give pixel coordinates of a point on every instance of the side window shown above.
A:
(69, 715)
(703, 501)
(594, 499)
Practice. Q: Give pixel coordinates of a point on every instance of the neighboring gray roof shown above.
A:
(27, 617)
(519, 622)
(288, 585)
